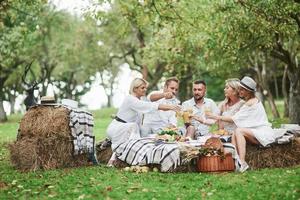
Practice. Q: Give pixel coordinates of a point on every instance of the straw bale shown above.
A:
(44, 141)
(44, 121)
(276, 156)
(23, 154)
(104, 152)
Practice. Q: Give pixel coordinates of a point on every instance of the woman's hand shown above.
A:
(198, 118)
(168, 95)
(211, 115)
(176, 108)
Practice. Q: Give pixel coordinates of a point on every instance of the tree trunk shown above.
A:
(289, 57)
(12, 101)
(269, 95)
(109, 101)
(294, 107)
(294, 101)
(263, 81)
(285, 92)
(3, 117)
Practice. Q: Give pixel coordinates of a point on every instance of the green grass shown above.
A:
(100, 182)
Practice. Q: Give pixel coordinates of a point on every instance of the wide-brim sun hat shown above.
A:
(248, 83)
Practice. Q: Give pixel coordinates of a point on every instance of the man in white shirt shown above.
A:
(199, 125)
(156, 121)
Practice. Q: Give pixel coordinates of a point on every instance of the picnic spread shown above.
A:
(169, 152)
(67, 140)
(168, 155)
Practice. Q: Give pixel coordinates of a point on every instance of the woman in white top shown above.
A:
(251, 120)
(125, 126)
(231, 104)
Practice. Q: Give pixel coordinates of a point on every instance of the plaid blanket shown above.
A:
(148, 151)
(81, 124)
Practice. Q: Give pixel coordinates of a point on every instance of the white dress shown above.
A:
(255, 118)
(130, 111)
(230, 111)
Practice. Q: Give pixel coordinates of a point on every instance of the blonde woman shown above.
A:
(125, 126)
(231, 104)
(251, 121)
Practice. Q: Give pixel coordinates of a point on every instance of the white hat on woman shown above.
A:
(248, 84)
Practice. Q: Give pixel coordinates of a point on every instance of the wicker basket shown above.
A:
(215, 163)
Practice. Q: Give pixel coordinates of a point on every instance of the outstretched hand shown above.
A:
(198, 118)
(168, 95)
(210, 115)
(176, 108)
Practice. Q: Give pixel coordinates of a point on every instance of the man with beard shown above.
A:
(156, 121)
(199, 125)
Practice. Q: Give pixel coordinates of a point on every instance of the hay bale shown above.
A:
(23, 154)
(276, 156)
(44, 121)
(104, 152)
(44, 141)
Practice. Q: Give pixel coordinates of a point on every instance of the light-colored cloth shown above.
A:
(201, 129)
(130, 111)
(155, 121)
(255, 118)
(81, 124)
(226, 110)
(146, 151)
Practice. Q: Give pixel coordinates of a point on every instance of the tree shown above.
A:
(17, 36)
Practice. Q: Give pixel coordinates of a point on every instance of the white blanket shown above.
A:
(147, 151)
(81, 124)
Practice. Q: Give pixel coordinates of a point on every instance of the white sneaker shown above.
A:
(244, 167)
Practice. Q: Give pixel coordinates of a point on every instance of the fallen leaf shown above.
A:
(145, 190)
(109, 188)
(129, 191)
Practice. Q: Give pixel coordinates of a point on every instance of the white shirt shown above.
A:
(132, 108)
(130, 111)
(161, 119)
(200, 111)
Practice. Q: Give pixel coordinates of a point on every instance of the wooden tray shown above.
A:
(215, 163)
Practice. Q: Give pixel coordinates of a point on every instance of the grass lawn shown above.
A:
(100, 182)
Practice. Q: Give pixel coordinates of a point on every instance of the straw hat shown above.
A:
(47, 100)
(248, 84)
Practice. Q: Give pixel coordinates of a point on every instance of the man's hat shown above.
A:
(248, 83)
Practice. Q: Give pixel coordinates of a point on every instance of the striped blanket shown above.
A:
(146, 151)
(81, 124)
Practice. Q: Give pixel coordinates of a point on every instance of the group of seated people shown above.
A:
(241, 114)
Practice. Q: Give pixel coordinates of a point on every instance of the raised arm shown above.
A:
(155, 96)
